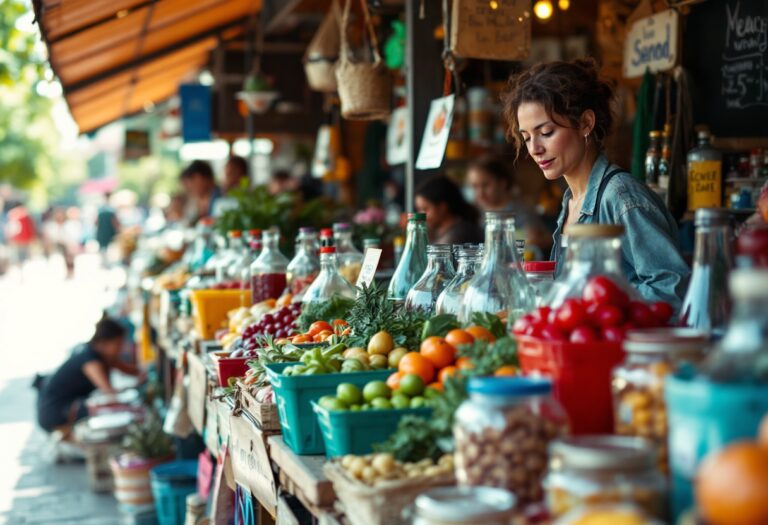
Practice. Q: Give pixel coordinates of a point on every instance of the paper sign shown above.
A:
(436, 133)
(370, 263)
(651, 44)
(250, 462)
(498, 30)
(397, 137)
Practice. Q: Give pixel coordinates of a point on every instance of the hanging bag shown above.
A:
(364, 87)
(323, 52)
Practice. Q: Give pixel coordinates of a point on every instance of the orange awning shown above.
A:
(115, 57)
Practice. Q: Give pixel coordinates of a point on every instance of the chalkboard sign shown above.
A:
(726, 52)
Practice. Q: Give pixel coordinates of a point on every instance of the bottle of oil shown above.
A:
(652, 159)
(705, 177)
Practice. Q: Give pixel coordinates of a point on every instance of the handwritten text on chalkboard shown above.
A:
(744, 79)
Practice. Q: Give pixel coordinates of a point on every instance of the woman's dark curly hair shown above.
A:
(566, 90)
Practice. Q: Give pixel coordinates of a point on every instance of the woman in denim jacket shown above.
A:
(561, 112)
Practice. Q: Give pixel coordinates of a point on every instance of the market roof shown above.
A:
(115, 57)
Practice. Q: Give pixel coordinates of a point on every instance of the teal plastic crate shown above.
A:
(348, 432)
(293, 395)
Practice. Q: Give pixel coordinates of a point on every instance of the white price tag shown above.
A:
(370, 263)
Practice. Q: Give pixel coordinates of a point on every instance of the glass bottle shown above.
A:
(204, 246)
(499, 285)
(349, 258)
(329, 281)
(231, 252)
(413, 261)
(398, 243)
(219, 251)
(326, 237)
(305, 265)
(706, 305)
(268, 271)
(436, 277)
(371, 242)
(705, 165)
(450, 299)
(664, 163)
(541, 277)
(652, 159)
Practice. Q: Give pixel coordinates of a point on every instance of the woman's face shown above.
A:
(111, 348)
(436, 213)
(558, 150)
(490, 193)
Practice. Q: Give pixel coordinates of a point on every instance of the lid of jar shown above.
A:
(417, 216)
(328, 249)
(594, 230)
(602, 452)
(509, 386)
(459, 504)
(712, 217)
(749, 283)
(668, 340)
(540, 266)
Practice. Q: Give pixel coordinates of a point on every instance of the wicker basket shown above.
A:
(265, 414)
(383, 504)
(323, 52)
(365, 88)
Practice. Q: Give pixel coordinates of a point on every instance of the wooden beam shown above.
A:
(274, 12)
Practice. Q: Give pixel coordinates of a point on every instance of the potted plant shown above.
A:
(258, 93)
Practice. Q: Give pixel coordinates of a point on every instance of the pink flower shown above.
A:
(370, 216)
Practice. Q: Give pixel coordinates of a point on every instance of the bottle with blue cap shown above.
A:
(502, 433)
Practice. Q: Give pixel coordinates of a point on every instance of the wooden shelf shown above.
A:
(746, 180)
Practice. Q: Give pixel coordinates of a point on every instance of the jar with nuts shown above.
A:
(638, 383)
(502, 433)
(597, 470)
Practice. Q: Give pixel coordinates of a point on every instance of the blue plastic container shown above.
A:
(171, 484)
(704, 417)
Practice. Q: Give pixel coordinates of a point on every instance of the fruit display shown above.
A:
(321, 331)
(377, 468)
(603, 313)
(378, 395)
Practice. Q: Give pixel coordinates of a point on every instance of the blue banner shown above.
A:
(195, 112)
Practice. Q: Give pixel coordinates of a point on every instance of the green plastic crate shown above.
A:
(293, 395)
(355, 432)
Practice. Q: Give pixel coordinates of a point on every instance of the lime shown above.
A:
(400, 401)
(349, 394)
(432, 393)
(418, 402)
(412, 385)
(331, 403)
(364, 407)
(381, 403)
(376, 389)
(355, 408)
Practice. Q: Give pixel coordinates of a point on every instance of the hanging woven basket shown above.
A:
(323, 52)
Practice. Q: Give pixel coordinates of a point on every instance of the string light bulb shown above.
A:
(563, 4)
(543, 9)
(494, 4)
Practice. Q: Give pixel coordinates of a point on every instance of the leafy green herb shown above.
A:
(487, 358)
(490, 322)
(439, 325)
(336, 308)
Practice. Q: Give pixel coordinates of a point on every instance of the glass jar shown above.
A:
(349, 258)
(638, 383)
(541, 277)
(329, 282)
(625, 513)
(450, 299)
(464, 506)
(502, 433)
(268, 271)
(593, 249)
(413, 260)
(436, 277)
(305, 265)
(499, 286)
(592, 470)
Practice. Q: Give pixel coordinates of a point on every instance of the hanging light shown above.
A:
(543, 9)
(494, 4)
(563, 4)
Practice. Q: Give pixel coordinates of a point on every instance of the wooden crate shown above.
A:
(265, 414)
(251, 464)
(303, 477)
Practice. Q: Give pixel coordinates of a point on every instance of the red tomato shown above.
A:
(613, 333)
(534, 329)
(583, 334)
(661, 311)
(522, 323)
(541, 314)
(552, 333)
(602, 290)
(319, 326)
(608, 315)
(640, 315)
(570, 315)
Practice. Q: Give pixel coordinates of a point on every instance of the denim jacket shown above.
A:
(651, 259)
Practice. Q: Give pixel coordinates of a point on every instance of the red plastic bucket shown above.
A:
(581, 378)
(227, 367)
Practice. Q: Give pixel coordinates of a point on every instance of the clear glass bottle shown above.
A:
(230, 255)
(398, 244)
(436, 277)
(329, 281)
(305, 265)
(350, 259)
(204, 246)
(502, 432)
(268, 271)
(413, 261)
(593, 249)
(705, 174)
(707, 305)
(652, 159)
(219, 252)
(450, 299)
(371, 242)
(541, 277)
(499, 286)
(590, 470)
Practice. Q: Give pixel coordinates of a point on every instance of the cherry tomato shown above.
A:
(552, 333)
(534, 329)
(583, 334)
(602, 290)
(614, 334)
(640, 315)
(570, 315)
(661, 311)
(608, 315)
(521, 324)
(541, 314)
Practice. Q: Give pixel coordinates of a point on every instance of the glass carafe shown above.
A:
(706, 305)
(436, 277)
(268, 271)
(413, 261)
(450, 299)
(329, 282)
(349, 258)
(305, 265)
(204, 246)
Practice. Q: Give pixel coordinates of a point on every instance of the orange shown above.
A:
(393, 381)
(301, 339)
(437, 350)
(459, 337)
(506, 370)
(415, 363)
(762, 435)
(284, 300)
(464, 363)
(437, 386)
(319, 326)
(732, 485)
(448, 371)
(478, 332)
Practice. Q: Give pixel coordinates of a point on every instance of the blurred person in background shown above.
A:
(107, 226)
(20, 233)
(282, 182)
(72, 237)
(199, 183)
(236, 174)
(450, 218)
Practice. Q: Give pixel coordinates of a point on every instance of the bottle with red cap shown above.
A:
(268, 271)
(326, 237)
(541, 277)
(329, 282)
